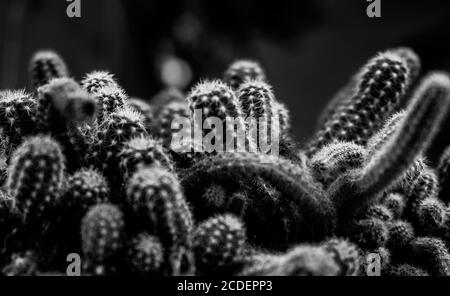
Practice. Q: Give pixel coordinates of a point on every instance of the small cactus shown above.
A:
(35, 176)
(142, 151)
(218, 244)
(241, 71)
(369, 233)
(17, 115)
(46, 65)
(109, 99)
(145, 254)
(154, 195)
(84, 189)
(102, 231)
(382, 83)
(97, 80)
(431, 254)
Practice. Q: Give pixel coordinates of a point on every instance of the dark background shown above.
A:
(308, 48)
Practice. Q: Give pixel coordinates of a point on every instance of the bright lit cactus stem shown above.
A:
(154, 195)
(17, 115)
(102, 232)
(110, 137)
(109, 99)
(382, 83)
(46, 65)
(97, 80)
(142, 151)
(145, 254)
(84, 189)
(216, 99)
(241, 71)
(62, 101)
(35, 177)
(219, 244)
(415, 133)
(334, 160)
(256, 99)
(293, 182)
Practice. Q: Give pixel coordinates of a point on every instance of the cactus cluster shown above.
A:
(86, 169)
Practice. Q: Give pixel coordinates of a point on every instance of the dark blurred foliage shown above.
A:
(308, 48)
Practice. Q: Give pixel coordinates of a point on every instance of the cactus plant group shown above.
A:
(88, 169)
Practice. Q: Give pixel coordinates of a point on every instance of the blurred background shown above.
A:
(308, 48)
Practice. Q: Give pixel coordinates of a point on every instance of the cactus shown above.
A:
(444, 174)
(46, 65)
(241, 71)
(102, 231)
(17, 115)
(431, 254)
(85, 188)
(144, 109)
(293, 182)
(111, 135)
(162, 125)
(334, 160)
(142, 151)
(381, 85)
(430, 215)
(145, 254)
(401, 233)
(218, 244)
(154, 195)
(97, 80)
(415, 133)
(35, 177)
(109, 99)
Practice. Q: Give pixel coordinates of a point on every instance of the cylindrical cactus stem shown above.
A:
(142, 151)
(97, 80)
(46, 65)
(241, 71)
(214, 99)
(381, 85)
(295, 183)
(401, 233)
(17, 115)
(415, 133)
(145, 254)
(431, 254)
(102, 233)
(110, 137)
(284, 117)
(380, 138)
(256, 99)
(335, 160)
(62, 101)
(35, 177)
(218, 244)
(430, 215)
(154, 195)
(444, 175)
(83, 189)
(168, 114)
(109, 99)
